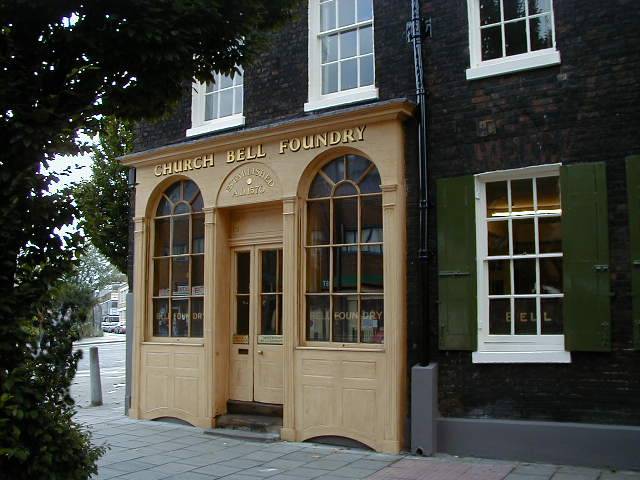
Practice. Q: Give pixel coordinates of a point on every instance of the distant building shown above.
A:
(110, 306)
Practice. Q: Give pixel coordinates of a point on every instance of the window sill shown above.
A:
(516, 63)
(217, 124)
(341, 98)
(522, 357)
(173, 343)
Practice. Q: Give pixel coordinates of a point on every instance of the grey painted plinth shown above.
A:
(424, 409)
(129, 353)
(613, 446)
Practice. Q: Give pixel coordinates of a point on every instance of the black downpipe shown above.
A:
(416, 32)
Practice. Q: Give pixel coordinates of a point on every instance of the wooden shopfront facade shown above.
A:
(270, 267)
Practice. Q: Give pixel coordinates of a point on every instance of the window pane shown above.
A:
(318, 318)
(356, 166)
(237, 106)
(180, 275)
(197, 317)
(491, 42)
(162, 237)
(548, 191)
(550, 234)
(242, 271)
(525, 316)
(551, 316)
(197, 275)
(500, 277)
(551, 275)
(365, 10)
(524, 276)
(269, 271)
(211, 106)
(268, 315)
(345, 220)
(226, 103)
(335, 170)
(522, 196)
(349, 74)
(346, 12)
(317, 270)
(344, 190)
(539, 6)
(366, 40)
(197, 234)
(226, 81)
(279, 286)
(329, 48)
(319, 188)
(541, 33)
(179, 318)
(489, 11)
(497, 200)
(498, 238)
(500, 316)
(524, 242)
(196, 205)
(330, 78)
(180, 235)
(242, 315)
(181, 208)
(371, 268)
(514, 9)
(189, 190)
(164, 207)
(515, 37)
(371, 183)
(372, 316)
(345, 318)
(318, 222)
(348, 44)
(371, 218)
(210, 86)
(174, 192)
(161, 277)
(366, 70)
(345, 269)
(160, 318)
(328, 16)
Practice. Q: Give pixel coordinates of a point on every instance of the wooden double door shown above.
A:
(256, 324)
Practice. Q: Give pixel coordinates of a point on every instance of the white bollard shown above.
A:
(94, 377)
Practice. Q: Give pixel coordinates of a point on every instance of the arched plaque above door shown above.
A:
(248, 184)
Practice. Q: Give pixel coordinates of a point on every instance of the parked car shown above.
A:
(120, 328)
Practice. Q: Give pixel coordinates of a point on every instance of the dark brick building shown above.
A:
(530, 304)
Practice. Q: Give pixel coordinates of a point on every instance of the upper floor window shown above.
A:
(344, 254)
(510, 35)
(217, 105)
(341, 52)
(178, 263)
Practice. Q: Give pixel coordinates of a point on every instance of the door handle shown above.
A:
(260, 352)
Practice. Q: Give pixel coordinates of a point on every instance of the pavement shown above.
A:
(149, 450)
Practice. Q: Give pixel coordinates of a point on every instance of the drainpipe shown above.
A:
(417, 28)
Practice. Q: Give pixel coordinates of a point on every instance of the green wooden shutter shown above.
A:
(457, 291)
(587, 318)
(633, 192)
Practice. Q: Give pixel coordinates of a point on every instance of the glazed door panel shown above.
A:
(256, 325)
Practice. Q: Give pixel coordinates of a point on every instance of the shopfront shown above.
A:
(270, 267)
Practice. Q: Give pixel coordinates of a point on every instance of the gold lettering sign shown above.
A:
(324, 139)
(184, 165)
(245, 153)
(250, 181)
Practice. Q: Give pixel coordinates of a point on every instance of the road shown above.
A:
(111, 351)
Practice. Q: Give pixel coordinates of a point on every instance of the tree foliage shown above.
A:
(104, 200)
(63, 64)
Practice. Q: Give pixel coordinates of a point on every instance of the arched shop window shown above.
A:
(343, 254)
(178, 263)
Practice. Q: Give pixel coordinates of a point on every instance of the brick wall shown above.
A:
(586, 109)
(276, 84)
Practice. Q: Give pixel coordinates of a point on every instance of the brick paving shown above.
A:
(145, 450)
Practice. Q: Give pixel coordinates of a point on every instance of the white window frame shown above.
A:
(508, 64)
(317, 100)
(508, 348)
(199, 125)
